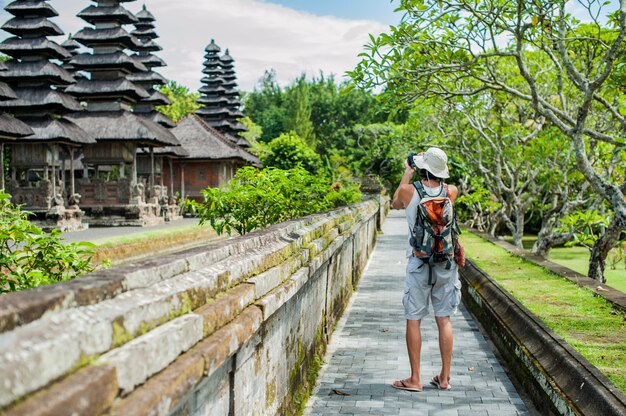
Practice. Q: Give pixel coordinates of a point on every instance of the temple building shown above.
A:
(40, 103)
(220, 98)
(113, 192)
(150, 161)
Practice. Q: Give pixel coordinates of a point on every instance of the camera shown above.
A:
(410, 161)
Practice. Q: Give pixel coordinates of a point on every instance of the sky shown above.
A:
(289, 36)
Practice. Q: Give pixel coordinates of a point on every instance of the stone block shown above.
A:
(279, 296)
(151, 272)
(89, 391)
(33, 355)
(219, 347)
(163, 392)
(224, 309)
(142, 357)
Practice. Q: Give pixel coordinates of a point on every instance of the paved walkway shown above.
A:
(367, 352)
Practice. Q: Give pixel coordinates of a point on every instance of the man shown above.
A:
(445, 294)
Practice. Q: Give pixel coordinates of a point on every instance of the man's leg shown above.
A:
(414, 346)
(445, 347)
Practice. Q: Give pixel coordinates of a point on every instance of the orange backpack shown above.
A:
(434, 237)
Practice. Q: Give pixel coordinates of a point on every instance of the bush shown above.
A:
(29, 257)
(290, 150)
(254, 199)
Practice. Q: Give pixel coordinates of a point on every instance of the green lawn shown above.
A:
(577, 259)
(587, 322)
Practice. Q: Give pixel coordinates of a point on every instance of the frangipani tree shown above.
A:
(570, 71)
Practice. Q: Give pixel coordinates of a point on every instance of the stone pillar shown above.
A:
(182, 180)
(2, 186)
(72, 183)
(122, 170)
(169, 160)
(151, 168)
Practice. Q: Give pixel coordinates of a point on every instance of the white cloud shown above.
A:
(259, 36)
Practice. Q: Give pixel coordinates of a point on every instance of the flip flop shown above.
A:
(435, 382)
(404, 386)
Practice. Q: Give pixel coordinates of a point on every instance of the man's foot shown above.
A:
(403, 385)
(435, 382)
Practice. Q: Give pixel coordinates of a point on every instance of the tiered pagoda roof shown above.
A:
(10, 127)
(220, 99)
(109, 93)
(149, 79)
(39, 102)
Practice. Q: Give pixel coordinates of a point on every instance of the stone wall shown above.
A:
(233, 328)
(556, 377)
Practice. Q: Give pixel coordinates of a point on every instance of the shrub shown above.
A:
(29, 257)
(290, 150)
(254, 199)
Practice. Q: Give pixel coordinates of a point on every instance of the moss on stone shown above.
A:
(270, 393)
(120, 334)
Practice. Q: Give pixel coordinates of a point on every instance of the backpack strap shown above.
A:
(419, 187)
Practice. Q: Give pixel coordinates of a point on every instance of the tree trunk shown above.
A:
(600, 251)
(546, 241)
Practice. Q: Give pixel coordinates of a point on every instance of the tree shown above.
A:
(265, 106)
(288, 151)
(565, 70)
(298, 111)
(184, 102)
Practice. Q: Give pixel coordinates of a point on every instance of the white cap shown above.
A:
(433, 160)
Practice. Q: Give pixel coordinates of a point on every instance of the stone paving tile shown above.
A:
(367, 352)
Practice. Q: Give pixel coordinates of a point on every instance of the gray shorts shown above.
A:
(445, 294)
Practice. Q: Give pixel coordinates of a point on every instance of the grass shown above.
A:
(585, 321)
(120, 249)
(577, 259)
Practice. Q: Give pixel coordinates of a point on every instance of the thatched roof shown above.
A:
(211, 101)
(123, 126)
(212, 112)
(30, 7)
(117, 60)
(204, 142)
(119, 88)
(147, 78)
(156, 116)
(11, 128)
(212, 89)
(117, 36)
(226, 60)
(17, 48)
(30, 99)
(42, 70)
(144, 15)
(212, 48)
(144, 32)
(55, 130)
(150, 61)
(212, 71)
(171, 151)
(157, 98)
(94, 14)
(6, 93)
(149, 46)
(71, 45)
(32, 25)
